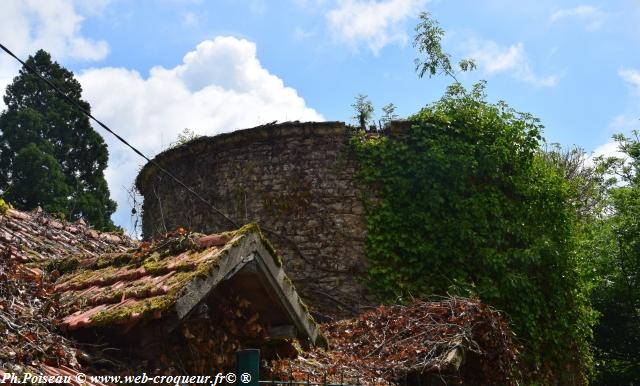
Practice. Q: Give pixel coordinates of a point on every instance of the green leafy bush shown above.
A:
(614, 249)
(466, 204)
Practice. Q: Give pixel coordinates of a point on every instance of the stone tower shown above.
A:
(296, 180)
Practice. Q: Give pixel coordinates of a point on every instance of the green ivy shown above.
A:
(465, 204)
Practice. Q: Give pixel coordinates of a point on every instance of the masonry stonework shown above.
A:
(297, 180)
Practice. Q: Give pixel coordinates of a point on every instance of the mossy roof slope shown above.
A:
(110, 279)
(166, 278)
(141, 283)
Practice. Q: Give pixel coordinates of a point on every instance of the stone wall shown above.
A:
(294, 179)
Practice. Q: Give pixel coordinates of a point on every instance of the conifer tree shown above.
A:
(50, 156)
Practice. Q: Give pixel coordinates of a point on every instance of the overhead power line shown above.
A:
(75, 104)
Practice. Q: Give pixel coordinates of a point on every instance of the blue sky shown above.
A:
(152, 68)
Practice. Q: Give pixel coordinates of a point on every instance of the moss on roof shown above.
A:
(4, 206)
(177, 257)
(255, 228)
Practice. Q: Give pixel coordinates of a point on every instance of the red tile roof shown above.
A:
(29, 339)
(36, 236)
(122, 288)
(166, 278)
(109, 279)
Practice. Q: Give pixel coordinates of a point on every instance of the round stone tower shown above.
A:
(296, 180)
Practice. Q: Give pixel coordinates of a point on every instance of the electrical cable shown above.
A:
(163, 170)
(88, 114)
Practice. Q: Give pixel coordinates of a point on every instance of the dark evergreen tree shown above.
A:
(50, 156)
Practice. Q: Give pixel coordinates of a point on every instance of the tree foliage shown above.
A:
(364, 110)
(427, 40)
(388, 113)
(614, 247)
(589, 182)
(466, 204)
(50, 156)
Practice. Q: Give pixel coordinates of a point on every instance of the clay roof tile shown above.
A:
(131, 285)
(38, 237)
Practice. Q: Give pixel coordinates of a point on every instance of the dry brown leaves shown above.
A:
(423, 339)
(28, 309)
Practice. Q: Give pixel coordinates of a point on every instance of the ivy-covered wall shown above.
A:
(297, 180)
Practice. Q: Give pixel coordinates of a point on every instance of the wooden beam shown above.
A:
(283, 332)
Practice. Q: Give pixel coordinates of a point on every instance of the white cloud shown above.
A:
(628, 120)
(632, 77)
(220, 86)
(609, 149)
(494, 59)
(588, 13)
(372, 23)
(53, 25)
